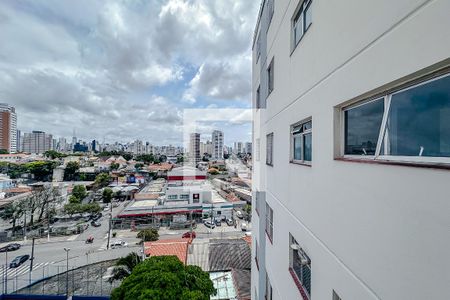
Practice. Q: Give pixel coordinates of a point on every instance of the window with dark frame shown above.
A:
(269, 290)
(258, 97)
(300, 264)
(269, 222)
(301, 21)
(408, 125)
(270, 77)
(269, 149)
(270, 10)
(301, 142)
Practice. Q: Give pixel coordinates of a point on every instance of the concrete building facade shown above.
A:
(8, 128)
(217, 145)
(194, 148)
(37, 142)
(352, 126)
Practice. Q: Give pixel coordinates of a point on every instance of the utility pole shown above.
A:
(67, 271)
(48, 224)
(6, 274)
(31, 260)
(109, 228)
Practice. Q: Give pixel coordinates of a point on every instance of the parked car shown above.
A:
(97, 216)
(10, 247)
(244, 227)
(96, 224)
(210, 224)
(239, 214)
(230, 222)
(118, 244)
(18, 261)
(218, 222)
(187, 235)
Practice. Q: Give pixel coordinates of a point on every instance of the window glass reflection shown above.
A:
(362, 128)
(419, 121)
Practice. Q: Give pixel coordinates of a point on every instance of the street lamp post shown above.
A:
(67, 271)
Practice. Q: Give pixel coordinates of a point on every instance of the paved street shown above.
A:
(50, 257)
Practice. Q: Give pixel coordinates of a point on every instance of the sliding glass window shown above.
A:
(412, 124)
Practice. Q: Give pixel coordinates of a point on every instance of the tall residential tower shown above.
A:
(8, 128)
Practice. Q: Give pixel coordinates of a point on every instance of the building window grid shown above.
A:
(301, 142)
(382, 144)
(301, 265)
(301, 21)
(269, 222)
(269, 149)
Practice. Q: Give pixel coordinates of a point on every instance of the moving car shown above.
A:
(118, 244)
(239, 214)
(244, 227)
(210, 224)
(230, 222)
(188, 235)
(96, 224)
(18, 261)
(10, 247)
(218, 222)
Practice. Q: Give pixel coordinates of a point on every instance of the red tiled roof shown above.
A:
(176, 247)
(248, 239)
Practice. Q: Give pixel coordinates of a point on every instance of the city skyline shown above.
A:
(121, 77)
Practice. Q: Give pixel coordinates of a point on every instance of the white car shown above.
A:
(118, 244)
(244, 227)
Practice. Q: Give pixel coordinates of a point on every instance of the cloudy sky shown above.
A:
(122, 70)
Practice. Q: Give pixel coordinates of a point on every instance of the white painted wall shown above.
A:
(372, 231)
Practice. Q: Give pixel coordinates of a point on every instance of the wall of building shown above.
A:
(371, 231)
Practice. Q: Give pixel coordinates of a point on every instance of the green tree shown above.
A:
(138, 166)
(4, 151)
(73, 208)
(148, 235)
(12, 211)
(41, 170)
(107, 195)
(125, 266)
(79, 191)
(114, 166)
(91, 208)
(102, 180)
(165, 278)
(145, 158)
(52, 154)
(71, 170)
(73, 199)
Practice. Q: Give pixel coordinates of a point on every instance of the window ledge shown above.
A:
(270, 165)
(299, 285)
(301, 163)
(427, 165)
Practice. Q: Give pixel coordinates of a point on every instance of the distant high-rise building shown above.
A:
(248, 148)
(62, 145)
(19, 141)
(37, 142)
(194, 148)
(8, 128)
(217, 145)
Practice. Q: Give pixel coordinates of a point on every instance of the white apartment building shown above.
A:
(217, 145)
(194, 148)
(352, 150)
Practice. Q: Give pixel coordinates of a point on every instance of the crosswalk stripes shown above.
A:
(103, 247)
(23, 269)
